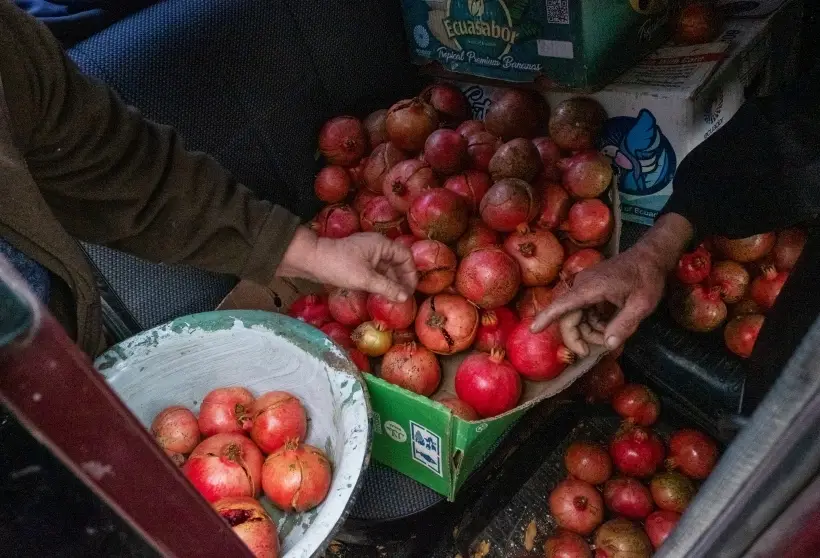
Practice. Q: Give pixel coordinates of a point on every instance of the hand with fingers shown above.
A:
(608, 301)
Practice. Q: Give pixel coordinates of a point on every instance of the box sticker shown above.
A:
(426, 447)
(395, 431)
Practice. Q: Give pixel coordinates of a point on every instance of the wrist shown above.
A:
(666, 241)
(300, 255)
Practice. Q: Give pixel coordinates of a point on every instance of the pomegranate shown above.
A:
(251, 523)
(409, 122)
(371, 339)
(359, 359)
(338, 333)
(446, 151)
(620, 538)
(538, 253)
(515, 113)
(589, 223)
(576, 506)
(297, 477)
(446, 323)
(494, 328)
(413, 367)
(550, 155)
(438, 214)
(566, 544)
(517, 158)
(312, 309)
(788, 247)
(481, 146)
(538, 356)
(383, 158)
(342, 141)
(507, 204)
(533, 300)
(672, 491)
(407, 180)
(699, 22)
(659, 525)
(555, 204)
(450, 103)
(224, 465)
(436, 265)
(744, 307)
(488, 383)
(741, 334)
(637, 404)
(381, 217)
(693, 453)
(488, 277)
(225, 410)
(579, 261)
(731, 278)
(588, 462)
(332, 184)
(636, 451)
(694, 267)
(472, 185)
(458, 407)
(575, 123)
(362, 198)
(698, 308)
(391, 314)
(348, 307)
(745, 250)
(470, 127)
(278, 417)
(587, 174)
(337, 221)
(627, 497)
(375, 128)
(601, 383)
(477, 235)
(766, 287)
(176, 431)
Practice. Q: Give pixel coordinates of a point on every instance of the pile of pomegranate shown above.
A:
(222, 453)
(497, 213)
(640, 481)
(735, 278)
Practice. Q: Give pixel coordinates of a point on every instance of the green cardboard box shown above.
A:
(568, 44)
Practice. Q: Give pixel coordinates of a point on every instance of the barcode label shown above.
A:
(558, 12)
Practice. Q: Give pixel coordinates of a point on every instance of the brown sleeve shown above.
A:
(115, 178)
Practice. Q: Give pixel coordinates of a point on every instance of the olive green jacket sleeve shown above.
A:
(112, 177)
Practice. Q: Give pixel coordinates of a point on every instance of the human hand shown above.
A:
(364, 261)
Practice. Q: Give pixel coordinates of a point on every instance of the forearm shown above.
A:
(666, 241)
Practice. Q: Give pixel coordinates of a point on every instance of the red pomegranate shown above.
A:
(470, 127)
(477, 235)
(731, 278)
(342, 141)
(251, 523)
(436, 265)
(672, 491)
(638, 404)
(698, 308)
(627, 497)
(359, 359)
(278, 417)
(488, 277)
(507, 204)
(376, 128)
(225, 410)
(372, 339)
(458, 407)
(766, 287)
(550, 155)
(788, 247)
(693, 453)
(381, 217)
(745, 250)
(579, 261)
(332, 184)
(587, 174)
(176, 431)
(538, 253)
(699, 22)
(488, 383)
(312, 309)
(601, 383)
(224, 465)
(741, 333)
(588, 462)
(337, 221)
(383, 158)
(348, 307)
(575, 123)
(407, 180)
(576, 506)
(391, 314)
(438, 214)
(515, 113)
(446, 151)
(296, 478)
(472, 185)
(450, 103)
(494, 328)
(481, 146)
(533, 300)
(659, 525)
(446, 323)
(566, 544)
(538, 356)
(620, 538)
(555, 205)
(694, 267)
(409, 122)
(338, 333)
(413, 367)
(517, 158)
(589, 223)
(362, 198)
(636, 451)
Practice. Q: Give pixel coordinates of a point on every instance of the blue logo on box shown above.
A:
(426, 447)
